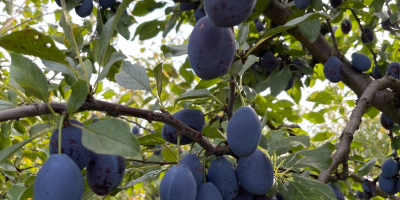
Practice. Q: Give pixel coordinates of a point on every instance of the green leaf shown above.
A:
(158, 75)
(243, 33)
(376, 6)
(203, 84)
(78, 96)
(28, 75)
(250, 60)
(143, 8)
(111, 137)
(321, 97)
(5, 153)
(212, 132)
(314, 117)
(133, 77)
(34, 43)
(236, 67)
(151, 139)
(6, 105)
(195, 94)
(144, 178)
(319, 158)
(264, 142)
(15, 191)
(108, 31)
(6, 128)
(305, 188)
(174, 50)
(250, 93)
(27, 193)
(321, 136)
(281, 144)
(147, 30)
(58, 67)
(367, 167)
(277, 81)
(311, 29)
(115, 57)
(37, 128)
(88, 68)
(317, 5)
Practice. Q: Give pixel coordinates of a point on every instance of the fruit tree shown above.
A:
(199, 99)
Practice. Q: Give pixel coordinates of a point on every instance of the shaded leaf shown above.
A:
(151, 139)
(78, 96)
(174, 50)
(133, 77)
(367, 167)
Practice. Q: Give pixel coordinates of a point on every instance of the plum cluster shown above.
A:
(85, 7)
(369, 190)
(389, 177)
(60, 176)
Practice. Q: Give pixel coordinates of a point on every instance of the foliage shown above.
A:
(127, 67)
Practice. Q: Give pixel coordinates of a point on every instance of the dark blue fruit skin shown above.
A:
(394, 190)
(71, 144)
(106, 3)
(259, 25)
(369, 187)
(95, 118)
(222, 174)
(387, 26)
(178, 183)
(58, 2)
(191, 117)
(157, 151)
(199, 13)
(336, 3)
(227, 13)
(186, 6)
(367, 36)
(333, 69)
(386, 122)
(59, 178)
(244, 195)
(135, 130)
(337, 191)
(393, 69)
(104, 173)
(390, 168)
(360, 61)
(346, 26)
(195, 166)
(302, 4)
(360, 195)
(255, 173)
(279, 196)
(375, 73)
(269, 61)
(244, 132)
(84, 9)
(211, 49)
(208, 191)
(385, 183)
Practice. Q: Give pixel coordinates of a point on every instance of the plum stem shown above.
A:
(60, 126)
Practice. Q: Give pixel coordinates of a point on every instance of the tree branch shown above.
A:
(117, 110)
(346, 138)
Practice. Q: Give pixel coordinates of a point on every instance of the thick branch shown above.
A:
(321, 51)
(346, 138)
(117, 110)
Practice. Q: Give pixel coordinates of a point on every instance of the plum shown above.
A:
(71, 144)
(386, 25)
(157, 149)
(369, 187)
(346, 26)
(135, 130)
(375, 73)
(244, 132)
(336, 3)
(360, 195)
(367, 36)
(337, 191)
(259, 25)
(386, 122)
(255, 173)
(199, 13)
(386, 183)
(222, 174)
(208, 191)
(84, 8)
(211, 49)
(104, 173)
(360, 61)
(393, 69)
(302, 4)
(227, 13)
(333, 69)
(191, 117)
(269, 61)
(106, 3)
(264, 197)
(394, 189)
(195, 166)
(290, 84)
(390, 168)
(187, 6)
(59, 178)
(178, 183)
(58, 2)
